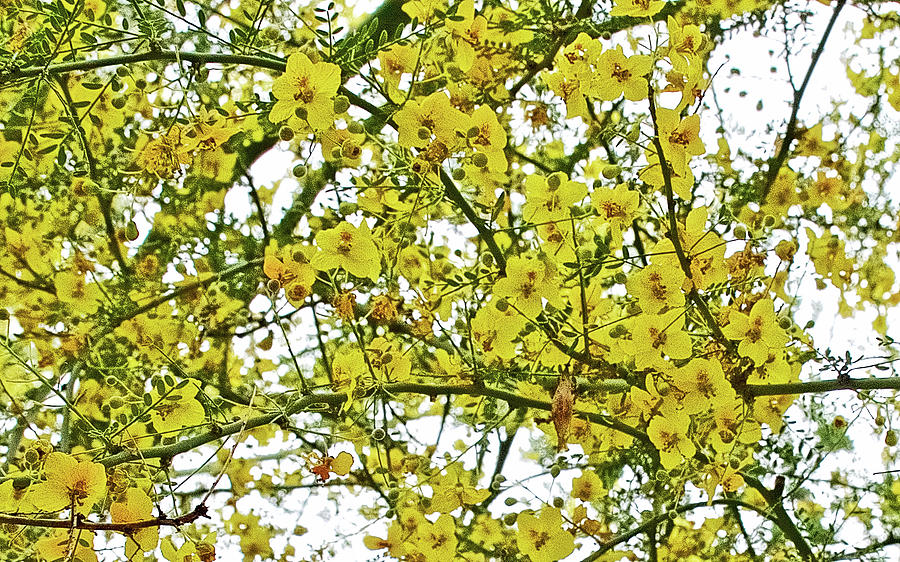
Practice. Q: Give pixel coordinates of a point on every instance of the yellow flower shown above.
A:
(308, 87)
(656, 287)
(396, 541)
(680, 138)
(686, 45)
(134, 506)
(829, 190)
(466, 34)
(494, 331)
(211, 130)
(178, 410)
(542, 538)
(616, 207)
(61, 544)
(451, 491)
(588, 487)
(69, 483)
(437, 541)
(548, 198)
(703, 249)
(572, 91)
(490, 139)
(350, 248)
(703, 384)
(658, 334)
(617, 74)
(578, 57)
(733, 425)
(388, 362)
(163, 156)
(759, 331)
(434, 119)
(636, 8)
(682, 178)
(293, 271)
(669, 435)
(72, 289)
(395, 62)
(527, 281)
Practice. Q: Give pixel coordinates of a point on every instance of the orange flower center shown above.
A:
(345, 244)
(620, 73)
(305, 92)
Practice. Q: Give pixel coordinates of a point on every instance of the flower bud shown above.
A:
(611, 171)
(341, 104)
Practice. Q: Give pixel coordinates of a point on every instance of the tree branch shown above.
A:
(776, 163)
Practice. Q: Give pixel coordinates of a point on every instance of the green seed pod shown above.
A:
(424, 133)
(473, 132)
(480, 160)
(558, 502)
(890, 438)
(458, 174)
(299, 170)
(347, 208)
(116, 402)
(285, 133)
(740, 232)
(336, 153)
(378, 434)
(356, 128)
(118, 103)
(510, 501)
(555, 470)
(510, 519)
(393, 494)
